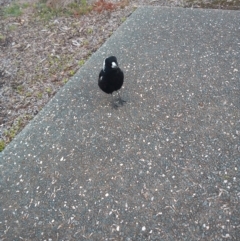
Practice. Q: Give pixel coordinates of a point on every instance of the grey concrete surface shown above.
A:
(165, 166)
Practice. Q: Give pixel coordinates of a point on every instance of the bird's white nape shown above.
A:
(104, 65)
(114, 65)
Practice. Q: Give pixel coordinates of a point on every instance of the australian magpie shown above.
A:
(111, 78)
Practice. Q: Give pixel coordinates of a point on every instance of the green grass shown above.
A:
(14, 130)
(20, 89)
(11, 133)
(123, 19)
(58, 64)
(71, 72)
(65, 80)
(49, 90)
(85, 42)
(2, 145)
(12, 27)
(73, 9)
(13, 10)
(2, 37)
(44, 12)
(89, 30)
(81, 62)
(28, 94)
(39, 95)
(25, 5)
(80, 8)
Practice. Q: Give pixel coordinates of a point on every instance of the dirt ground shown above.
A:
(42, 47)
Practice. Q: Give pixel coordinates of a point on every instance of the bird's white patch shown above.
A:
(101, 78)
(114, 65)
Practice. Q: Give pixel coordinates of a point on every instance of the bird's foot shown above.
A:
(121, 101)
(114, 106)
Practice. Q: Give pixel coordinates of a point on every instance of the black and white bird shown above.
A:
(111, 78)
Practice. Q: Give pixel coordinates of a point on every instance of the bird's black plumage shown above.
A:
(111, 77)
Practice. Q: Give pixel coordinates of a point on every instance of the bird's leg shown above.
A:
(115, 106)
(121, 101)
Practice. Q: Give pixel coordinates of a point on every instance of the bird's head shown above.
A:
(110, 63)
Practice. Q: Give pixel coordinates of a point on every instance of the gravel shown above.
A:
(38, 57)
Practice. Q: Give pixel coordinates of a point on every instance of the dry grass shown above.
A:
(217, 4)
(102, 5)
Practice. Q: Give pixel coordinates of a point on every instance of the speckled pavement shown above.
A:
(165, 166)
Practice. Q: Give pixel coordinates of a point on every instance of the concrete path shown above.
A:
(165, 166)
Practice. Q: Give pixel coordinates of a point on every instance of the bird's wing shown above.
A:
(100, 74)
(121, 74)
(101, 81)
(100, 77)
